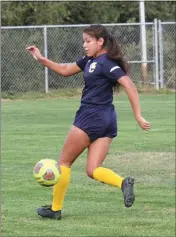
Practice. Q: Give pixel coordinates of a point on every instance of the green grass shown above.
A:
(36, 129)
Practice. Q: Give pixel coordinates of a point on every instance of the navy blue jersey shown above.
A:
(100, 75)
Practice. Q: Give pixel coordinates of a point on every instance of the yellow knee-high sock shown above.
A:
(107, 176)
(60, 188)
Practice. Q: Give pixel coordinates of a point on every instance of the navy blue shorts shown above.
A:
(97, 121)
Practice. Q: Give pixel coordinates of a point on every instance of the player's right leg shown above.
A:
(76, 142)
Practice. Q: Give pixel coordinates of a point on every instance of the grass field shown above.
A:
(35, 129)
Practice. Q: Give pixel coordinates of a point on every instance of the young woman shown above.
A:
(95, 123)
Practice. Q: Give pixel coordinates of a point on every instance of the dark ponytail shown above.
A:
(114, 52)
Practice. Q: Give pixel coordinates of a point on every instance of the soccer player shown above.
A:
(95, 123)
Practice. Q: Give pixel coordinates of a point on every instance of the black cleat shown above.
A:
(128, 193)
(46, 212)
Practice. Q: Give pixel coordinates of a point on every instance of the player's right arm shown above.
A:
(64, 69)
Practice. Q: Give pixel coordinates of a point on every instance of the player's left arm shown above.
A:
(133, 96)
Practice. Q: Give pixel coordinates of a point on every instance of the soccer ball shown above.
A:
(46, 172)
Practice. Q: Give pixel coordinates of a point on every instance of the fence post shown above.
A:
(143, 41)
(46, 55)
(156, 54)
(160, 33)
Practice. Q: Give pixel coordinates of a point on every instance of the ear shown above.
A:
(101, 41)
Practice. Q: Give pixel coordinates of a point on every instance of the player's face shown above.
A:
(92, 46)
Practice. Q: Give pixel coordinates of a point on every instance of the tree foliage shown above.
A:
(33, 13)
(53, 13)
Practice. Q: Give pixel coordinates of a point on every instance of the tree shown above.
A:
(54, 13)
(33, 13)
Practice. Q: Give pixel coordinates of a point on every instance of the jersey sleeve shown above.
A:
(82, 62)
(113, 71)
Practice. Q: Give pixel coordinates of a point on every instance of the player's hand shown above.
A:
(34, 51)
(145, 125)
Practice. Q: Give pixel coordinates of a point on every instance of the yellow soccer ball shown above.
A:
(46, 172)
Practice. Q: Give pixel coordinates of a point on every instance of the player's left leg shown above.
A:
(97, 152)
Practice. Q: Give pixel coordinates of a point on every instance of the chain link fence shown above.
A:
(63, 44)
(167, 54)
